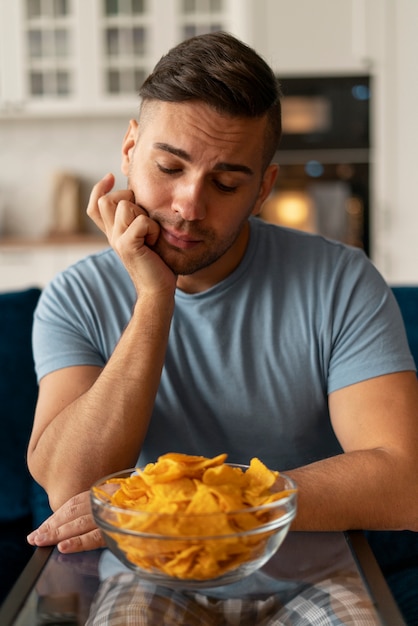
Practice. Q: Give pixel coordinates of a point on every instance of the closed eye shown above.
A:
(225, 188)
(168, 170)
(177, 170)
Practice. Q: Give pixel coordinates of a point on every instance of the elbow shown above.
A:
(34, 467)
(39, 472)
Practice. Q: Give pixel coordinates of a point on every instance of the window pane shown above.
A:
(189, 31)
(61, 7)
(126, 81)
(189, 6)
(35, 43)
(112, 41)
(111, 7)
(63, 83)
(36, 83)
(33, 8)
(50, 83)
(113, 81)
(125, 41)
(139, 41)
(215, 6)
(61, 42)
(124, 7)
(138, 7)
(48, 43)
(139, 79)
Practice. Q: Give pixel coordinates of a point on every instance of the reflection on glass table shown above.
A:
(314, 579)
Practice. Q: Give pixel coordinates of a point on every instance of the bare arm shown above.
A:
(88, 421)
(374, 484)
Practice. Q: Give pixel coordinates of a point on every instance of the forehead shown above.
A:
(192, 125)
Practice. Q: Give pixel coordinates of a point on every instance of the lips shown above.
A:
(179, 239)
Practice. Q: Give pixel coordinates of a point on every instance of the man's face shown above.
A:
(199, 175)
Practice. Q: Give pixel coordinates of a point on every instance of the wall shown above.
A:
(396, 185)
(32, 150)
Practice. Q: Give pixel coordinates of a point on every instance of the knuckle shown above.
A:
(76, 507)
(77, 543)
(127, 209)
(86, 541)
(72, 510)
(80, 524)
(97, 537)
(102, 202)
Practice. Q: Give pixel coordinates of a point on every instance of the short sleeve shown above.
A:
(62, 334)
(368, 334)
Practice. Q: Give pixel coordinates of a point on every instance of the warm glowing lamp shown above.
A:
(290, 208)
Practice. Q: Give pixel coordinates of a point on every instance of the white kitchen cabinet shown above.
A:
(315, 37)
(38, 50)
(78, 57)
(69, 57)
(34, 263)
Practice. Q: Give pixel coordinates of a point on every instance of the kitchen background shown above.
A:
(68, 70)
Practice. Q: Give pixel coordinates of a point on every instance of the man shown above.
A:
(205, 330)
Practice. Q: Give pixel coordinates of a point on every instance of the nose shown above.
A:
(189, 201)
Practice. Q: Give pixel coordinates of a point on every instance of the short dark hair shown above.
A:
(223, 72)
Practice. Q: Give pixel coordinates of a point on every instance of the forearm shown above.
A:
(366, 489)
(103, 428)
(374, 484)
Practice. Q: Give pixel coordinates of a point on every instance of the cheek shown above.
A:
(148, 191)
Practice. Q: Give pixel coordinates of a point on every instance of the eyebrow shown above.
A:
(219, 167)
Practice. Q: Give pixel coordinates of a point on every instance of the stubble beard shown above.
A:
(186, 262)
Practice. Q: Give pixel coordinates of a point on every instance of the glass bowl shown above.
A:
(193, 551)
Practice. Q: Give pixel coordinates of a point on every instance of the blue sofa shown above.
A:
(397, 552)
(23, 504)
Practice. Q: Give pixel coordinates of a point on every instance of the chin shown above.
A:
(181, 266)
(180, 263)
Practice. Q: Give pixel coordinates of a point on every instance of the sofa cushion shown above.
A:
(407, 298)
(18, 393)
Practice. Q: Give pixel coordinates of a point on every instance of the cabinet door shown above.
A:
(39, 56)
(90, 56)
(22, 267)
(25, 265)
(130, 36)
(315, 36)
(122, 37)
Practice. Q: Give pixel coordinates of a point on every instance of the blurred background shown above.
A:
(69, 74)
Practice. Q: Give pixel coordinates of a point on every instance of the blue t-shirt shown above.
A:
(250, 362)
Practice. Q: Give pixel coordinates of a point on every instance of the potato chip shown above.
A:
(193, 514)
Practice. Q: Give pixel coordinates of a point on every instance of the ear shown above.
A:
(128, 146)
(269, 178)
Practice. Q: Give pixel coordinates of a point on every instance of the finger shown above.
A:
(100, 189)
(147, 228)
(133, 224)
(80, 543)
(74, 516)
(50, 533)
(108, 206)
(125, 213)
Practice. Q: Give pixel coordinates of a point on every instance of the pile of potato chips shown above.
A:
(196, 516)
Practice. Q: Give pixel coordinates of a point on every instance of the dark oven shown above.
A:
(324, 179)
